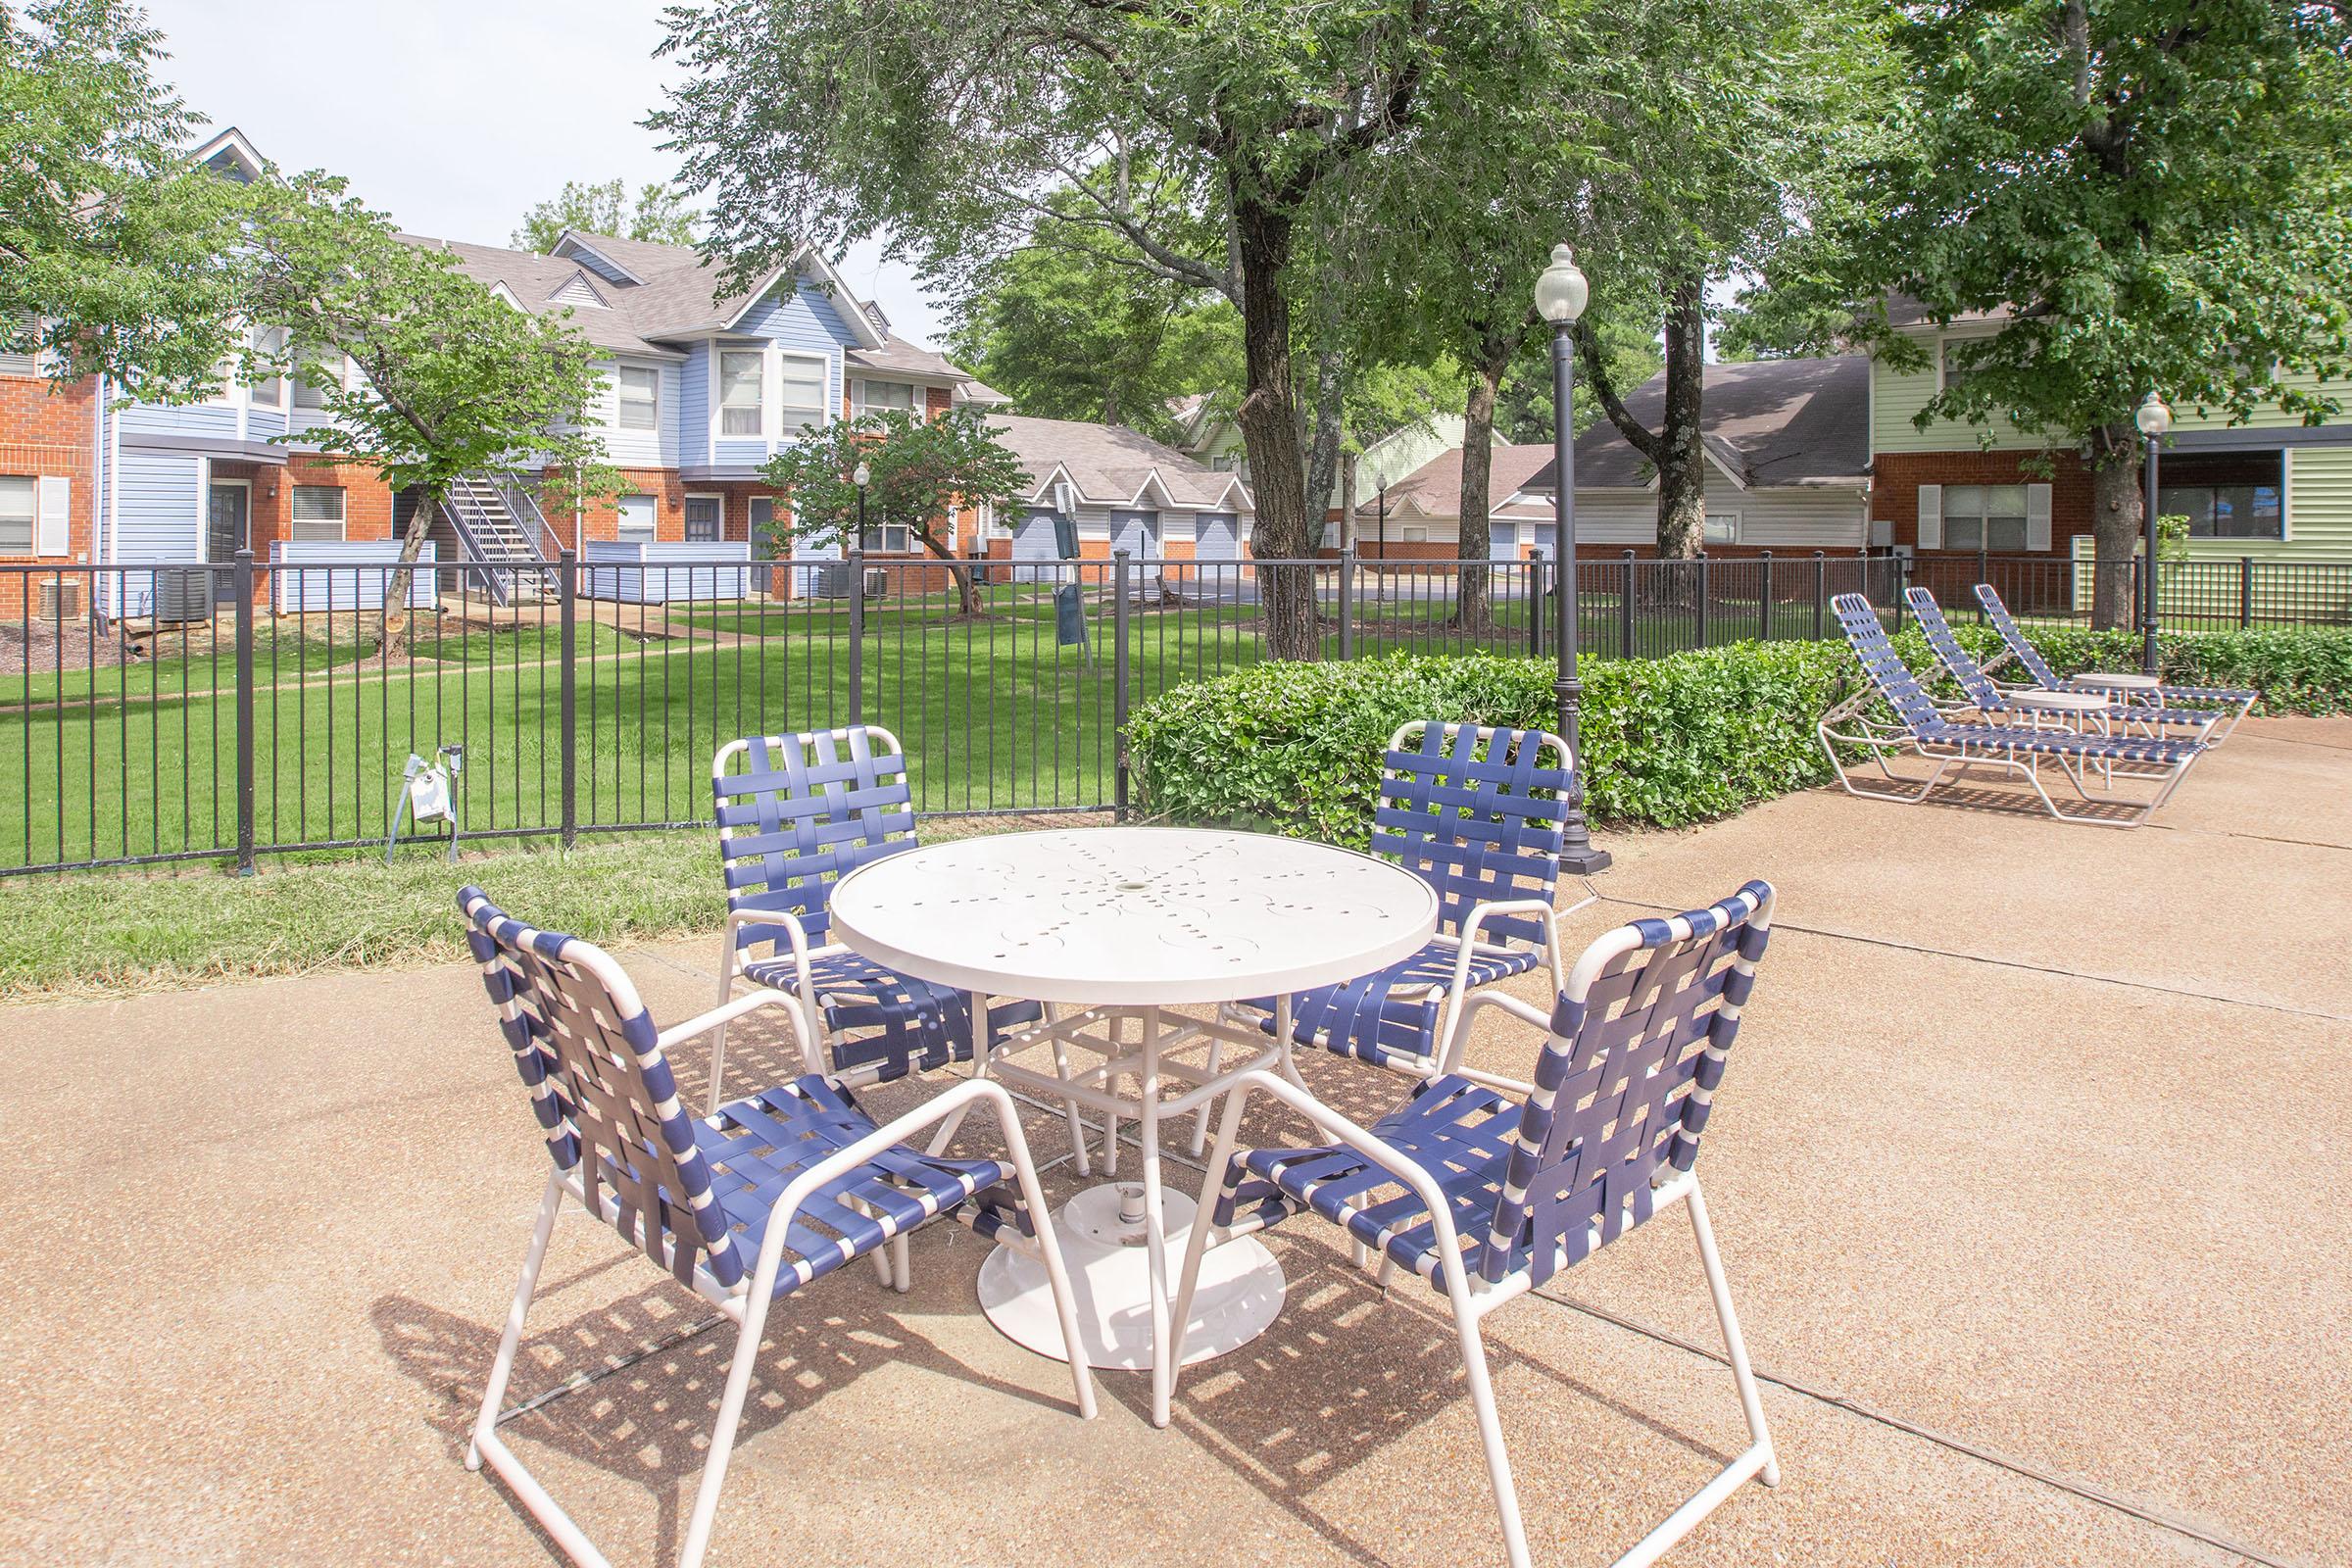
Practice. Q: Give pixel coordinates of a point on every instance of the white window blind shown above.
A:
(317, 511)
(1990, 517)
(803, 393)
(877, 396)
(739, 374)
(16, 516)
(640, 398)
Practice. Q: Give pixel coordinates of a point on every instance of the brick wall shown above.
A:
(1897, 475)
(48, 433)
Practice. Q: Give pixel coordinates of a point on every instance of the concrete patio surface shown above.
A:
(2030, 1172)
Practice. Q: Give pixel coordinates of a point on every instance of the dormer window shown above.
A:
(741, 410)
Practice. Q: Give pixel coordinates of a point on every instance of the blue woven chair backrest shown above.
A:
(799, 812)
(2023, 652)
(1626, 1080)
(1966, 670)
(602, 1089)
(1885, 668)
(1480, 816)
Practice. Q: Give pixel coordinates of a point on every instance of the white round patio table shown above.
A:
(1108, 926)
(2117, 680)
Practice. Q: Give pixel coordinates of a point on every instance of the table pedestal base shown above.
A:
(1240, 1293)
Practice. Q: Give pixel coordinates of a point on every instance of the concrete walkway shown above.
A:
(2030, 1172)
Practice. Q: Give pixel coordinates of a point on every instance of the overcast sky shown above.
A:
(455, 116)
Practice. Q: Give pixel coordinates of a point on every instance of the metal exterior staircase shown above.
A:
(500, 527)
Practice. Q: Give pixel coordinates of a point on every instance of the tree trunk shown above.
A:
(1269, 421)
(396, 591)
(2116, 521)
(968, 592)
(1683, 458)
(1475, 539)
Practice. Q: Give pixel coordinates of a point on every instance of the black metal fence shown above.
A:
(165, 712)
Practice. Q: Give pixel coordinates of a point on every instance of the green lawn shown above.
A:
(122, 763)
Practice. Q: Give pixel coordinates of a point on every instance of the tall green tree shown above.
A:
(659, 214)
(916, 470)
(117, 254)
(949, 126)
(2145, 194)
(1076, 324)
(452, 380)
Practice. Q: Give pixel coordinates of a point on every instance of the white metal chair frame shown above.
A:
(1459, 998)
(747, 1302)
(1470, 1297)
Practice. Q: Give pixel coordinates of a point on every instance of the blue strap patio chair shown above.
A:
(796, 814)
(1480, 815)
(1487, 1187)
(2230, 703)
(2000, 703)
(742, 1207)
(2148, 770)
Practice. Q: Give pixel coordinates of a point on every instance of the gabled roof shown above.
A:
(1111, 465)
(899, 356)
(1435, 489)
(232, 153)
(532, 280)
(1763, 423)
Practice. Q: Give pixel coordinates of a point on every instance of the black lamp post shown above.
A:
(2154, 419)
(1561, 295)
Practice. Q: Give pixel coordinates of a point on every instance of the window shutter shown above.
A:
(2037, 516)
(1930, 516)
(2286, 494)
(56, 504)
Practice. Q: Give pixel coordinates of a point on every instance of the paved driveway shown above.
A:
(2030, 1172)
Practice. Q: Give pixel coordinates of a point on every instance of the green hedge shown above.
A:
(1667, 742)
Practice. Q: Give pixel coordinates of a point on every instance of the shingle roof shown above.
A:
(1110, 465)
(1767, 421)
(533, 279)
(1435, 489)
(903, 357)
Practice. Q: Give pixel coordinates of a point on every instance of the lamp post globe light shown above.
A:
(2154, 417)
(1561, 295)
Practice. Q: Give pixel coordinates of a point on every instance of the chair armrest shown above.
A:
(730, 1010)
(1540, 908)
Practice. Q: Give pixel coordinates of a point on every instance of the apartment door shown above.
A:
(227, 509)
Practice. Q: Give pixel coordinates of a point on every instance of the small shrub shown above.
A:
(1667, 742)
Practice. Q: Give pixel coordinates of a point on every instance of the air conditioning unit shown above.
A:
(61, 598)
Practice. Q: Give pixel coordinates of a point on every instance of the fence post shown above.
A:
(1118, 683)
(1533, 578)
(1705, 614)
(857, 636)
(1902, 583)
(1625, 611)
(1821, 591)
(568, 593)
(1764, 605)
(2245, 592)
(244, 592)
(1347, 604)
(1983, 574)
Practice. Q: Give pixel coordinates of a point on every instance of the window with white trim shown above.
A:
(316, 512)
(802, 392)
(20, 347)
(878, 397)
(324, 363)
(639, 391)
(1990, 517)
(271, 391)
(16, 504)
(1720, 528)
(890, 539)
(703, 517)
(742, 378)
(1415, 536)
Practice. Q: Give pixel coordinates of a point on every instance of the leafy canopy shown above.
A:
(659, 214)
(454, 380)
(124, 251)
(2149, 193)
(916, 469)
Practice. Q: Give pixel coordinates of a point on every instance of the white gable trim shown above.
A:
(570, 243)
(809, 258)
(579, 283)
(232, 142)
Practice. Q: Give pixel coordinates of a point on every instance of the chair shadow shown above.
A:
(650, 1425)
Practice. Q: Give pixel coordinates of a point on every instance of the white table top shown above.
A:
(2121, 682)
(1136, 917)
